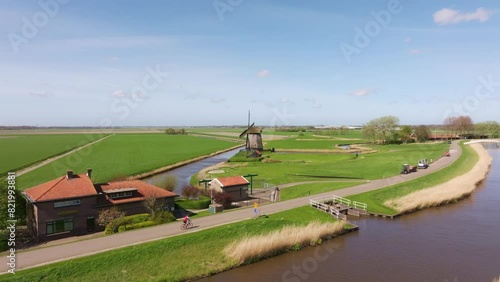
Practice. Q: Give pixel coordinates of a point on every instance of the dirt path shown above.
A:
(52, 252)
(48, 161)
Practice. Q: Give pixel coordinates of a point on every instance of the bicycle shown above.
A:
(187, 225)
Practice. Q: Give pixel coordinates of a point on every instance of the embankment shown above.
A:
(449, 191)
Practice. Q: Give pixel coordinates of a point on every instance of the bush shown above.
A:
(115, 224)
(190, 192)
(223, 198)
(138, 225)
(108, 215)
(163, 217)
(202, 203)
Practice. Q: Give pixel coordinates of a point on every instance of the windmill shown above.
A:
(253, 136)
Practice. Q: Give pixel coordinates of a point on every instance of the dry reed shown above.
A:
(250, 248)
(449, 191)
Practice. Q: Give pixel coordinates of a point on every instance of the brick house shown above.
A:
(69, 205)
(236, 186)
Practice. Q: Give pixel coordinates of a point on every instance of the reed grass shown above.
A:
(449, 191)
(252, 248)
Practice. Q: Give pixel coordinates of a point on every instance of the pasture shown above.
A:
(279, 168)
(123, 155)
(19, 151)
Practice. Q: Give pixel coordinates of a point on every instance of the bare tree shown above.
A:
(107, 215)
(154, 205)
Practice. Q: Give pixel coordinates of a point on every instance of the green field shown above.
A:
(177, 258)
(126, 154)
(20, 151)
(375, 199)
(282, 168)
(312, 189)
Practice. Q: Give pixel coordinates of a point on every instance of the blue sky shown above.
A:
(161, 63)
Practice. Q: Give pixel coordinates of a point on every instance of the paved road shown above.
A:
(50, 254)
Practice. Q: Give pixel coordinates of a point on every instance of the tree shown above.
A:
(383, 126)
(190, 192)
(370, 132)
(422, 132)
(154, 205)
(168, 183)
(405, 133)
(487, 128)
(107, 215)
(459, 125)
(223, 198)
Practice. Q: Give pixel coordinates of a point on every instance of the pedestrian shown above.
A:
(256, 209)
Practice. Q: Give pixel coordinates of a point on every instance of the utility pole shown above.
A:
(251, 181)
(205, 181)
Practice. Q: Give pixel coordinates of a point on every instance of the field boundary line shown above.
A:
(55, 158)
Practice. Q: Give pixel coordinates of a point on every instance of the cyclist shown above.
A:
(186, 219)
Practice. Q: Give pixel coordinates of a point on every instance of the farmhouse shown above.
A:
(236, 186)
(69, 205)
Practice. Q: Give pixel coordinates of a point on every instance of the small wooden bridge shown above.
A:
(339, 207)
(483, 141)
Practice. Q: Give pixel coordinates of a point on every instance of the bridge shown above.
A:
(338, 207)
(497, 141)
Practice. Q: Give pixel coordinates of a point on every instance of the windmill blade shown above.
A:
(243, 133)
(251, 125)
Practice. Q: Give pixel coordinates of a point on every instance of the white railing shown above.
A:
(359, 205)
(341, 200)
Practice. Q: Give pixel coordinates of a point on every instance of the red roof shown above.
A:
(231, 181)
(62, 188)
(146, 190)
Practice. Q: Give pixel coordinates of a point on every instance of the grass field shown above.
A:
(282, 168)
(126, 154)
(312, 140)
(312, 189)
(177, 258)
(19, 151)
(375, 199)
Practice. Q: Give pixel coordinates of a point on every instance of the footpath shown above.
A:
(51, 253)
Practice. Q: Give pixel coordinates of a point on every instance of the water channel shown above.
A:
(456, 242)
(184, 173)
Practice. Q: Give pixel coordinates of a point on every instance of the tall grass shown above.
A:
(262, 246)
(452, 190)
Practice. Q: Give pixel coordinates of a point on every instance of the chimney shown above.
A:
(69, 174)
(89, 172)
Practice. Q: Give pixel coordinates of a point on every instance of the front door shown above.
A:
(91, 224)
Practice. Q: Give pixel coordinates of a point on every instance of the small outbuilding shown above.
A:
(236, 186)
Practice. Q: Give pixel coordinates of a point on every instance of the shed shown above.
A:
(236, 186)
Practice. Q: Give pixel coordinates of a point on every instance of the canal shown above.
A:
(455, 242)
(185, 172)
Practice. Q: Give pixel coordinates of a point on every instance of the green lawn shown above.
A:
(173, 259)
(23, 150)
(282, 168)
(312, 189)
(375, 199)
(126, 154)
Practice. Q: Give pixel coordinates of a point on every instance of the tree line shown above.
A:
(387, 130)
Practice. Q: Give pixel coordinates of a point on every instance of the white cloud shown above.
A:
(263, 73)
(362, 92)
(450, 16)
(415, 51)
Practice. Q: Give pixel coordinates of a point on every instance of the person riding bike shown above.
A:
(186, 219)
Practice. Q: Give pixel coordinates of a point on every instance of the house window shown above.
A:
(58, 226)
(67, 203)
(120, 195)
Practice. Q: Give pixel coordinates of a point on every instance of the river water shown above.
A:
(184, 173)
(456, 242)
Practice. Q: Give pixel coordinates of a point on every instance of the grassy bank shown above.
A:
(280, 168)
(126, 154)
(173, 259)
(24, 150)
(376, 199)
(312, 189)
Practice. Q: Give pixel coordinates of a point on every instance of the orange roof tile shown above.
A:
(145, 189)
(62, 188)
(232, 181)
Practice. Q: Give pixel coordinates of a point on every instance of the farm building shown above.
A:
(236, 186)
(69, 205)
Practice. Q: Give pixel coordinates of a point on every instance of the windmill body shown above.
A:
(253, 137)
